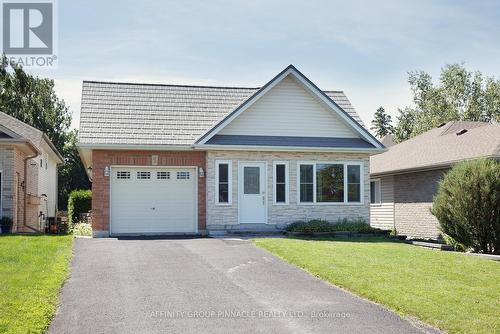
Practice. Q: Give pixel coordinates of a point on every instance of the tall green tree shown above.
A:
(382, 123)
(72, 174)
(459, 95)
(33, 100)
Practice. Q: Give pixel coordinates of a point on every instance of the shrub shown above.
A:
(319, 225)
(458, 247)
(315, 225)
(80, 201)
(467, 205)
(82, 228)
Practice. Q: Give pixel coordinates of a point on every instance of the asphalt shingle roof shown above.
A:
(151, 114)
(440, 147)
(22, 129)
(25, 131)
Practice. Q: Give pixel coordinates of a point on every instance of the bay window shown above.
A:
(330, 182)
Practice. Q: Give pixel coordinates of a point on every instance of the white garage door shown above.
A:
(153, 200)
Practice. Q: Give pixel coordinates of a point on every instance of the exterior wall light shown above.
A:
(201, 172)
(89, 172)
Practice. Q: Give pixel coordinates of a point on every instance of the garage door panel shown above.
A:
(161, 204)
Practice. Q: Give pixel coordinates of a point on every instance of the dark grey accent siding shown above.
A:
(289, 141)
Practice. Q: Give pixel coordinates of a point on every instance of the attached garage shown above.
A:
(149, 200)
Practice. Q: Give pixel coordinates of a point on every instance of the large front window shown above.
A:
(330, 183)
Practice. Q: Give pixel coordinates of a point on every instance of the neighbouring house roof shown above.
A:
(388, 140)
(154, 114)
(440, 147)
(16, 130)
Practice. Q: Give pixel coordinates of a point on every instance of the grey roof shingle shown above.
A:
(26, 131)
(440, 147)
(152, 114)
(22, 129)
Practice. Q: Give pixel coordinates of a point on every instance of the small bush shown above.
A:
(458, 247)
(80, 201)
(319, 225)
(82, 229)
(467, 205)
(315, 225)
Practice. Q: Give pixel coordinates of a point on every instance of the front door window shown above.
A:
(251, 182)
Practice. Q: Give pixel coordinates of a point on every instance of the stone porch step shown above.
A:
(239, 229)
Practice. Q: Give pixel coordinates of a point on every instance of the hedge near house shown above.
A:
(80, 201)
(467, 205)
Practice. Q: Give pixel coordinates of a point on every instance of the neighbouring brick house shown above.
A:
(28, 175)
(197, 159)
(405, 179)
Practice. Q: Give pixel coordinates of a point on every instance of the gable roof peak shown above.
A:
(309, 86)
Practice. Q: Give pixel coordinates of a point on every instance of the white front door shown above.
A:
(252, 192)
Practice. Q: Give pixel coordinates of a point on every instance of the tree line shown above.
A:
(459, 95)
(33, 100)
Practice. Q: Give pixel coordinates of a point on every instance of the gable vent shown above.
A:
(461, 132)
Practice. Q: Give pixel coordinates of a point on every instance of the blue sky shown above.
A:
(365, 48)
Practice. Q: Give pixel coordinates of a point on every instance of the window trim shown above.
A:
(229, 182)
(287, 183)
(379, 203)
(333, 162)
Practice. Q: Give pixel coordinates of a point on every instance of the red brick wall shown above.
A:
(100, 184)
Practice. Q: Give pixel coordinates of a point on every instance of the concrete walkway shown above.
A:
(205, 286)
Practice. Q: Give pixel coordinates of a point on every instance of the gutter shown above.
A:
(442, 165)
(206, 147)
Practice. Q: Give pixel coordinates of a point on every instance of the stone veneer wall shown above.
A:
(283, 214)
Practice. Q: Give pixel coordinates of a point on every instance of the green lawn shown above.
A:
(454, 292)
(32, 270)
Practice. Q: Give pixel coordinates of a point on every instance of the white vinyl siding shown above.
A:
(47, 182)
(289, 110)
(382, 214)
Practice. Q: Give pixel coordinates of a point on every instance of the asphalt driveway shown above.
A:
(205, 285)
